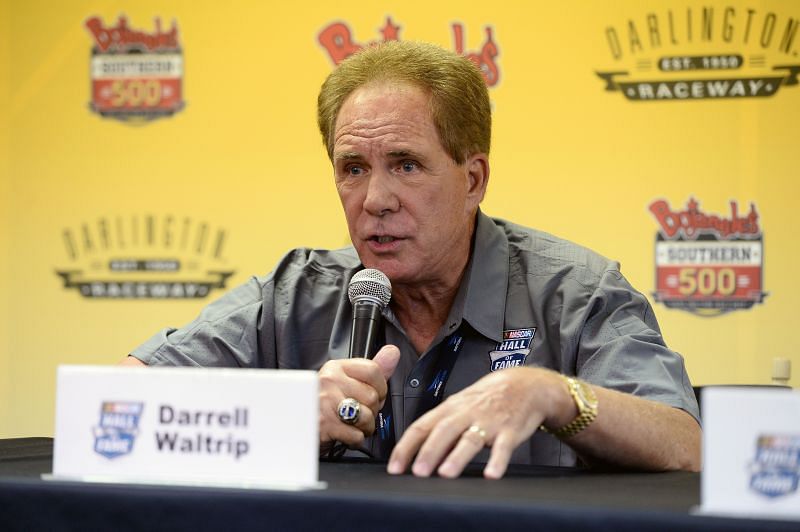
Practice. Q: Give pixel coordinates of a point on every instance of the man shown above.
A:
(407, 127)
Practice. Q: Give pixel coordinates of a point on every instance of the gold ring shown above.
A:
(475, 429)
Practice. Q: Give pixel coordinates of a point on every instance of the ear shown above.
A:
(477, 168)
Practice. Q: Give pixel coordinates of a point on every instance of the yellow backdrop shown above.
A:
(5, 221)
(238, 175)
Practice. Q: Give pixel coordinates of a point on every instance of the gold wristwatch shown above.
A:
(586, 401)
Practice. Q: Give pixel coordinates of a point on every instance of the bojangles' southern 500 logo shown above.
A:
(135, 74)
(702, 53)
(705, 263)
(337, 39)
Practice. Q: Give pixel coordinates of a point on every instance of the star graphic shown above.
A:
(390, 31)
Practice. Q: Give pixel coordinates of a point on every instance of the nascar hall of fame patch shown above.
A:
(135, 74)
(337, 40)
(144, 257)
(119, 424)
(775, 471)
(701, 52)
(708, 264)
(513, 350)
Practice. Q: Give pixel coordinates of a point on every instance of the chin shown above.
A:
(393, 269)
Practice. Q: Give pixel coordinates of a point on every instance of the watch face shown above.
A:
(586, 394)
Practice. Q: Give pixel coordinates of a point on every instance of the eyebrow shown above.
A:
(355, 156)
(347, 156)
(404, 153)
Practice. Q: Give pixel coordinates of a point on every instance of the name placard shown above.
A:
(222, 427)
(751, 453)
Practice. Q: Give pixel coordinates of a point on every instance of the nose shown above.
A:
(381, 198)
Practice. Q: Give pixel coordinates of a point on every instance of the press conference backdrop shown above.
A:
(159, 153)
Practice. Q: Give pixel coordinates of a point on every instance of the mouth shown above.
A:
(384, 243)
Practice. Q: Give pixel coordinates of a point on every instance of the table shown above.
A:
(361, 496)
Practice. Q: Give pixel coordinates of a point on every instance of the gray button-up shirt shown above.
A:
(527, 297)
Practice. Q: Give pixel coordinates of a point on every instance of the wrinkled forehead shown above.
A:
(384, 114)
(396, 93)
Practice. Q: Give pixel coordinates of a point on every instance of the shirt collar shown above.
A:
(486, 279)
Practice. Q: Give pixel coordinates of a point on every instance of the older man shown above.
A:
(502, 344)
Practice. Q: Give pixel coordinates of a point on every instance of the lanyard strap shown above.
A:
(436, 368)
(438, 371)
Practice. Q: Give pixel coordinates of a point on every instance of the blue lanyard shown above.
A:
(436, 369)
(438, 372)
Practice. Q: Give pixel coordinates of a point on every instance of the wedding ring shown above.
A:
(475, 429)
(348, 410)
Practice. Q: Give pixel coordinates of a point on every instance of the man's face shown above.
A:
(409, 207)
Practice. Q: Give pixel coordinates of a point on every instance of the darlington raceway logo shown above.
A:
(144, 258)
(705, 263)
(337, 39)
(135, 74)
(775, 471)
(118, 427)
(702, 53)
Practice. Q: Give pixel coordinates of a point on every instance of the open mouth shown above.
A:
(381, 243)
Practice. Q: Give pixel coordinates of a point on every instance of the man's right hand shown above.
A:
(358, 378)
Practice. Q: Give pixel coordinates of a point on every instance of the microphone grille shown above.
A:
(370, 284)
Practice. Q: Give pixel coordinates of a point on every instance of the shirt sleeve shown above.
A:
(225, 334)
(296, 318)
(619, 346)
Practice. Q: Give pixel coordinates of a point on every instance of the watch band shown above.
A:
(586, 401)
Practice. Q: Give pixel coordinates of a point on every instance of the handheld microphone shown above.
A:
(369, 291)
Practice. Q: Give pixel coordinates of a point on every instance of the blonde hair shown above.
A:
(459, 99)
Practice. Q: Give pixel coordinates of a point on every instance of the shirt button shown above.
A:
(414, 383)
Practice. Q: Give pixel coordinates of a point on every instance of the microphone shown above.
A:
(369, 291)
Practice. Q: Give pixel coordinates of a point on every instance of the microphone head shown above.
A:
(370, 285)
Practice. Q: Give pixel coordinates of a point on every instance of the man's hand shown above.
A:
(361, 379)
(508, 405)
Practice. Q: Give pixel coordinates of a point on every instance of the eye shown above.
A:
(354, 170)
(408, 167)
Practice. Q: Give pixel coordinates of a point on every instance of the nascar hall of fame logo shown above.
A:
(775, 471)
(702, 53)
(135, 74)
(706, 263)
(144, 257)
(337, 40)
(513, 350)
(119, 424)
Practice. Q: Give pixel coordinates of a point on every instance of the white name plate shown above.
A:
(221, 427)
(751, 453)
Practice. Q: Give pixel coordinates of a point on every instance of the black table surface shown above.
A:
(361, 495)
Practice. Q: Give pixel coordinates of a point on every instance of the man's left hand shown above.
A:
(500, 411)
